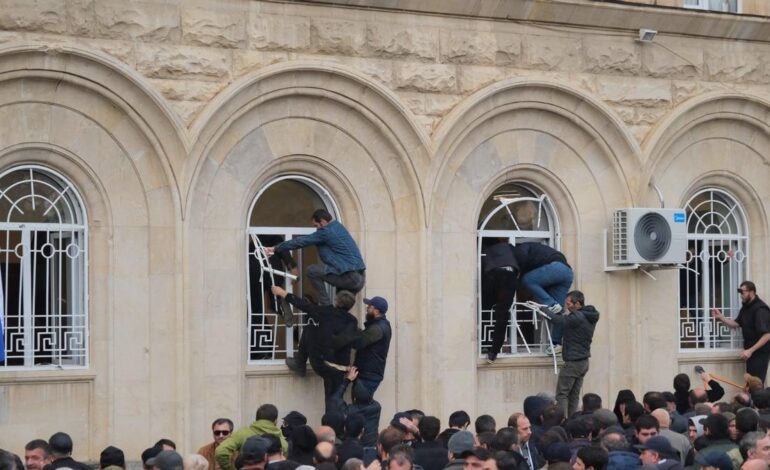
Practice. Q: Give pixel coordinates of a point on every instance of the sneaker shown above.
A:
(556, 349)
(295, 366)
(286, 313)
(555, 309)
(491, 357)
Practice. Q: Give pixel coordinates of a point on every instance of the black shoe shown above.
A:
(491, 357)
(286, 313)
(295, 366)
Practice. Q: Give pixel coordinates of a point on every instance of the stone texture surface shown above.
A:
(337, 37)
(553, 53)
(728, 66)
(182, 62)
(81, 17)
(40, 15)
(508, 48)
(468, 47)
(148, 21)
(673, 60)
(395, 40)
(203, 27)
(432, 78)
(278, 32)
(615, 55)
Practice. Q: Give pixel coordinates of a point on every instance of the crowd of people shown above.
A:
(687, 428)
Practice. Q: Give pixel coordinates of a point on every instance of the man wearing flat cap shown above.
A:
(166, 460)
(372, 344)
(658, 453)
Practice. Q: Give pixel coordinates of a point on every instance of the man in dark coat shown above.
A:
(754, 322)
(61, 448)
(329, 355)
(372, 344)
(578, 324)
(498, 283)
(362, 404)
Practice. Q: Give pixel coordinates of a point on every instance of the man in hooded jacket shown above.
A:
(362, 403)
(578, 326)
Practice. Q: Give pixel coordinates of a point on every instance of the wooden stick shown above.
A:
(722, 379)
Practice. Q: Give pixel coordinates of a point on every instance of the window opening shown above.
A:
(518, 213)
(43, 266)
(716, 265)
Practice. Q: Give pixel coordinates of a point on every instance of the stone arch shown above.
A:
(86, 115)
(721, 140)
(356, 140)
(574, 149)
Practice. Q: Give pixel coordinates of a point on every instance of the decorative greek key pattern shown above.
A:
(716, 265)
(43, 265)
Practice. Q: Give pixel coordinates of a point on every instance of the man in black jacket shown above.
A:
(326, 337)
(372, 344)
(498, 283)
(362, 404)
(61, 448)
(754, 322)
(578, 326)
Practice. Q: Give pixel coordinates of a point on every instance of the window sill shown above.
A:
(518, 362)
(695, 357)
(31, 376)
(272, 370)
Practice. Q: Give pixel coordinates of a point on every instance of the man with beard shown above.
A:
(372, 344)
(754, 322)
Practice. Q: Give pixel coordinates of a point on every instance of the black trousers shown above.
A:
(756, 365)
(502, 287)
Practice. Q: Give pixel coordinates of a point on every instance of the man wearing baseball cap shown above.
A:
(657, 452)
(372, 344)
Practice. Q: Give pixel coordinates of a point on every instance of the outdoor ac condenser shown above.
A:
(649, 236)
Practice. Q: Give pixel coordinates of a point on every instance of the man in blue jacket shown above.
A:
(343, 267)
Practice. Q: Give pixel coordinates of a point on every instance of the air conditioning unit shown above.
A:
(649, 236)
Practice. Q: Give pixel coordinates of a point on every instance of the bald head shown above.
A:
(664, 420)
(325, 434)
(754, 464)
(324, 452)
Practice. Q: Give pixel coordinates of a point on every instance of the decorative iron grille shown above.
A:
(43, 266)
(519, 214)
(716, 265)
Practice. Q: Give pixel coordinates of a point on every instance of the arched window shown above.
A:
(281, 211)
(717, 261)
(520, 213)
(43, 265)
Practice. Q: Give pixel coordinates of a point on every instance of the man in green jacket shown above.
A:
(267, 415)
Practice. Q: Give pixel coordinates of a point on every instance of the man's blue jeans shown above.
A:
(549, 285)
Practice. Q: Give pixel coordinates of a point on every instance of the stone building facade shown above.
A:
(171, 120)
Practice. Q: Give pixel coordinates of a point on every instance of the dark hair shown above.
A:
(682, 383)
(321, 214)
(354, 425)
(112, 456)
(39, 444)
(718, 427)
(593, 456)
(634, 410)
(8, 461)
(749, 286)
(654, 400)
(553, 415)
(506, 460)
(646, 421)
(165, 442)
(275, 444)
(61, 443)
(485, 439)
(614, 440)
(267, 412)
(668, 396)
(416, 414)
(577, 297)
(401, 454)
(345, 300)
(623, 397)
(591, 402)
(485, 423)
(429, 427)
(219, 421)
(577, 428)
(743, 399)
(505, 439)
(459, 419)
(389, 438)
(761, 399)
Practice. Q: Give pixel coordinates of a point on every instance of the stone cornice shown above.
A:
(613, 15)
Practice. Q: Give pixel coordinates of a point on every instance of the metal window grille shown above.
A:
(519, 214)
(43, 266)
(716, 265)
(269, 339)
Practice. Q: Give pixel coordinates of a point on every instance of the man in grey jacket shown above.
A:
(578, 325)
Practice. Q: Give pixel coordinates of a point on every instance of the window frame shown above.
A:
(704, 5)
(737, 275)
(78, 271)
(288, 233)
(552, 236)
